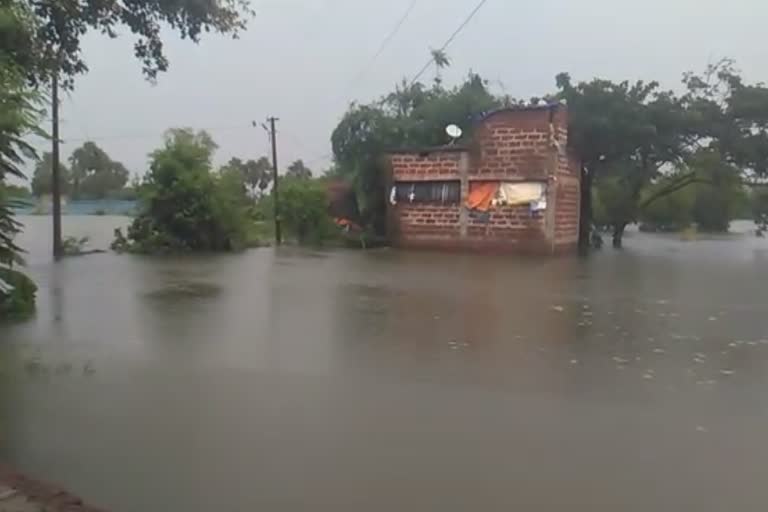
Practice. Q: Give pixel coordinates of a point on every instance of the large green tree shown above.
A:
(731, 121)
(93, 174)
(625, 133)
(718, 193)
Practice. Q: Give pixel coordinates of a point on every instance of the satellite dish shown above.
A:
(453, 132)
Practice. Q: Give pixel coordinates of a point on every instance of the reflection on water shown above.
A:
(387, 380)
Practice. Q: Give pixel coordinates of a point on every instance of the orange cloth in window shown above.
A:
(481, 194)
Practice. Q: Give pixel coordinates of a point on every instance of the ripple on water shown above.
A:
(185, 289)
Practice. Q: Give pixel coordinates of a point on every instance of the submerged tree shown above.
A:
(625, 133)
(185, 206)
(718, 193)
(304, 209)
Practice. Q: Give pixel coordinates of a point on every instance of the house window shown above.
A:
(439, 192)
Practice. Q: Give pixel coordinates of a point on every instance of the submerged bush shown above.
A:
(760, 211)
(304, 211)
(17, 294)
(185, 207)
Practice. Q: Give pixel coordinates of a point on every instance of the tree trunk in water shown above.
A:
(618, 235)
(585, 218)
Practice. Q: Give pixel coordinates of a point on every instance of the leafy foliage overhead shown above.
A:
(58, 27)
(19, 116)
(730, 116)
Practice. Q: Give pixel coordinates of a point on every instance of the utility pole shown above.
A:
(58, 246)
(275, 191)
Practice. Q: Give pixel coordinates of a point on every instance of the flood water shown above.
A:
(388, 380)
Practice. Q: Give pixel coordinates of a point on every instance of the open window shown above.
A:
(430, 192)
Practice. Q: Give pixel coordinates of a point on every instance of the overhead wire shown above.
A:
(149, 135)
(385, 43)
(379, 51)
(450, 39)
(445, 45)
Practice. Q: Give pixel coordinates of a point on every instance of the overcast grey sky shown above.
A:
(299, 59)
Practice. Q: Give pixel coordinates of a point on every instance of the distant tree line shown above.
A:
(91, 174)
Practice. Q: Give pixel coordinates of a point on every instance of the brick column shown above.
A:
(464, 162)
(550, 216)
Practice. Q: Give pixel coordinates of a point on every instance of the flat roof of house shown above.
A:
(446, 148)
(522, 108)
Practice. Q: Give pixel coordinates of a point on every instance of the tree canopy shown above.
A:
(93, 174)
(185, 207)
(42, 178)
(52, 40)
(255, 175)
(411, 115)
(299, 171)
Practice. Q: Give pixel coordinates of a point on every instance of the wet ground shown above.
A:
(385, 380)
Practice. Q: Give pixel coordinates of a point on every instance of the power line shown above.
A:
(383, 46)
(450, 39)
(388, 39)
(150, 135)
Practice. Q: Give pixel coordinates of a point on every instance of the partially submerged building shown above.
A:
(513, 187)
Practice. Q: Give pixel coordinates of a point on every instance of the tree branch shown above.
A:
(681, 182)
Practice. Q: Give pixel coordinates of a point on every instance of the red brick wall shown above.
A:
(567, 210)
(435, 165)
(516, 144)
(427, 221)
(506, 226)
(567, 163)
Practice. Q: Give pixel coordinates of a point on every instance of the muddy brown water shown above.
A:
(386, 380)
